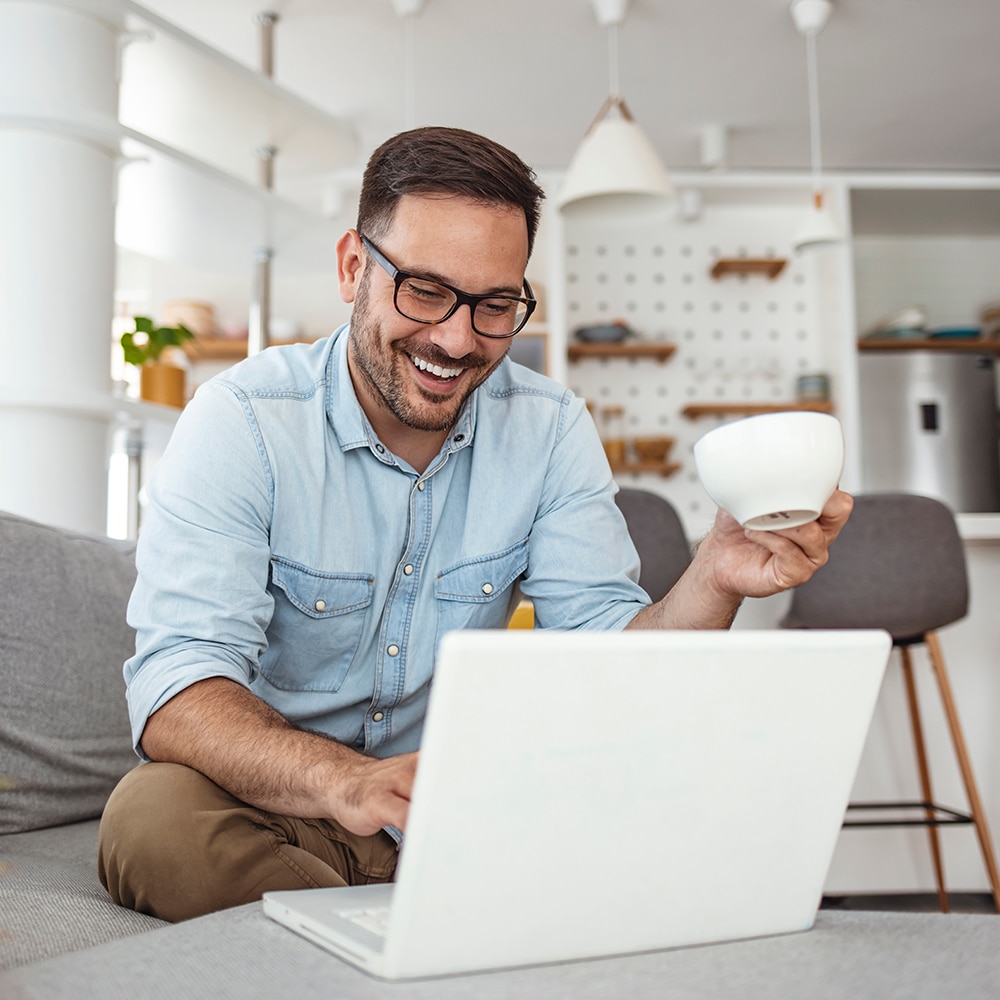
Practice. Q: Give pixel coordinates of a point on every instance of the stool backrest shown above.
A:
(898, 564)
(659, 538)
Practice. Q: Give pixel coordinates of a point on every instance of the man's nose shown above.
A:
(455, 335)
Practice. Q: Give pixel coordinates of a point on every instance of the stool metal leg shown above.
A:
(925, 775)
(965, 766)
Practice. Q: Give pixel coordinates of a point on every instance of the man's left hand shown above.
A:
(760, 563)
(732, 563)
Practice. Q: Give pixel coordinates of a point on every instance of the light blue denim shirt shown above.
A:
(286, 548)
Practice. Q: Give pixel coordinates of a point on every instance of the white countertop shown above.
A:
(979, 527)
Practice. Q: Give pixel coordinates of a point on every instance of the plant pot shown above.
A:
(165, 384)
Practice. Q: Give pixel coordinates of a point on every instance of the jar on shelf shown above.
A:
(613, 434)
(813, 388)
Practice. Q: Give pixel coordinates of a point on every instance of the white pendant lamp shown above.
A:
(819, 227)
(615, 162)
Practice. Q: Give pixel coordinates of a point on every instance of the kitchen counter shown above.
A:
(979, 527)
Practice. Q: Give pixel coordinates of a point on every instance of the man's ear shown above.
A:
(350, 264)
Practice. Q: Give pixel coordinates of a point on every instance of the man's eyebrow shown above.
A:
(441, 279)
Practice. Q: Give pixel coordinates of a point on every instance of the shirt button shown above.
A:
(377, 717)
(380, 449)
(407, 569)
(420, 486)
(393, 650)
(459, 437)
(487, 588)
(320, 605)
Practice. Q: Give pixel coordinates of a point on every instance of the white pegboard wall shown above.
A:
(742, 338)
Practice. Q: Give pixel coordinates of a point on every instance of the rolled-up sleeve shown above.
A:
(201, 605)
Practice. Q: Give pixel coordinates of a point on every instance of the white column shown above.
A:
(58, 115)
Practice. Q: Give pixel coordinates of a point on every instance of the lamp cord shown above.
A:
(815, 152)
(613, 83)
(409, 73)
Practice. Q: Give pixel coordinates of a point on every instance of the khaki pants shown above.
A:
(176, 845)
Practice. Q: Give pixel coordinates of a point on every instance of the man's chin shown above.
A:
(427, 410)
(429, 417)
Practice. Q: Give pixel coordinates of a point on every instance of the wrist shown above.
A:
(714, 605)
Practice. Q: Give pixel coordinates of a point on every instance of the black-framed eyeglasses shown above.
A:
(425, 300)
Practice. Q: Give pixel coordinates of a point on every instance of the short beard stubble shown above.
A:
(380, 366)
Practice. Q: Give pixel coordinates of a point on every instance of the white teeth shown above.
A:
(426, 366)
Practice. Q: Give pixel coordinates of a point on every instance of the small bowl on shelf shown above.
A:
(603, 333)
(956, 333)
(652, 449)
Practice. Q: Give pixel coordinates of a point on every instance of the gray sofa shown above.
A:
(64, 735)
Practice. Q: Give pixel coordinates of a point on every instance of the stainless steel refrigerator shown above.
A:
(929, 426)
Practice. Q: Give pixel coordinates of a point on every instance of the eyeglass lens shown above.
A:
(429, 302)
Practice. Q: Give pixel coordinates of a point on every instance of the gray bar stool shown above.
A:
(899, 565)
(658, 535)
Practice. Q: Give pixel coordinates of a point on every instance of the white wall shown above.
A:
(953, 277)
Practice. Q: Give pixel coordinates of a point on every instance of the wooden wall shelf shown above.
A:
(695, 410)
(224, 348)
(216, 349)
(962, 345)
(656, 468)
(770, 267)
(633, 349)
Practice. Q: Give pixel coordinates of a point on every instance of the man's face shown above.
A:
(418, 375)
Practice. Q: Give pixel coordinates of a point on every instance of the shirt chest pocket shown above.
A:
(476, 593)
(316, 627)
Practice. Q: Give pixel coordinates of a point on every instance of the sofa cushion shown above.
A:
(64, 731)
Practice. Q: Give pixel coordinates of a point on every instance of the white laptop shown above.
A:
(584, 794)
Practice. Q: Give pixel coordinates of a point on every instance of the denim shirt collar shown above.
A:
(351, 426)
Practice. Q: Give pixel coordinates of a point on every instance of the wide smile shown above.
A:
(442, 374)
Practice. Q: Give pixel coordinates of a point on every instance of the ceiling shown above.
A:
(904, 84)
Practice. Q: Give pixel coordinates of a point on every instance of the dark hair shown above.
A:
(452, 161)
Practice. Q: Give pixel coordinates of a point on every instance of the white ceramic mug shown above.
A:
(772, 471)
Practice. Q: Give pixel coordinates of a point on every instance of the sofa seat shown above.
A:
(240, 954)
(51, 900)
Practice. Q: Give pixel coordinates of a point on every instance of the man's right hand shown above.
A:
(223, 730)
(374, 793)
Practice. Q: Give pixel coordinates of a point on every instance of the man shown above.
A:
(325, 512)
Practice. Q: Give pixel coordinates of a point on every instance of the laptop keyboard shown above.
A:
(374, 919)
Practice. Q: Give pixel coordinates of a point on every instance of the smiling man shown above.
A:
(324, 513)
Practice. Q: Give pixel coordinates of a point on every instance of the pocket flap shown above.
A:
(484, 578)
(322, 595)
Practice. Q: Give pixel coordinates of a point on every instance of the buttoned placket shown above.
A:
(390, 674)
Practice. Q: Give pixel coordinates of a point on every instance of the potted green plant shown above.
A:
(159, 381)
